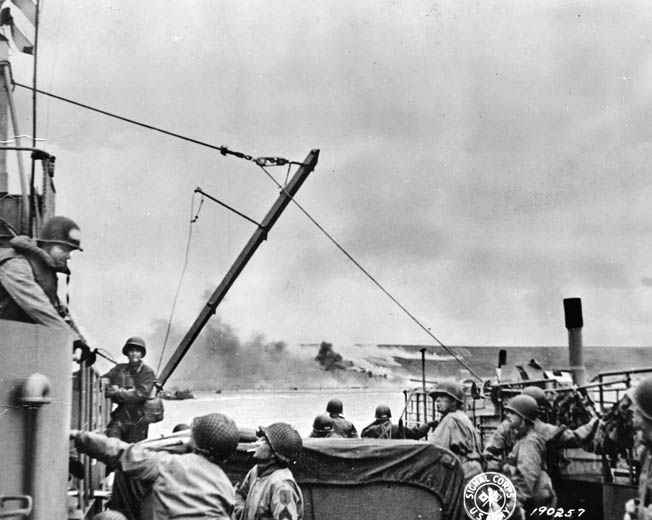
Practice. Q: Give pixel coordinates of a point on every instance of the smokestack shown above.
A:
(574, 324)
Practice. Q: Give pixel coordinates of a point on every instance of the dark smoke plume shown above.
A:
(331, 360)
(220, 360)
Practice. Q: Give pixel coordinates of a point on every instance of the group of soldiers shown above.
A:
(180, 484)
(193, 484)
(522, 446)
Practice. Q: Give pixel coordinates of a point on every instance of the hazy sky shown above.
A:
(482, 160)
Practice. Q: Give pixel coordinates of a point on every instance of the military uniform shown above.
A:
(384, 429)
(188, 485)
(525, 468)
(268, 493)
(556, 437)
(134, 388)
(28, 285)
(343, 427)
(643, 511)
(456, 433)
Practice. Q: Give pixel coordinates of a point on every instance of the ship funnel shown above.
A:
(574, 324)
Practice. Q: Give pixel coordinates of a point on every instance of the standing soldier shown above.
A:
(130, 385)
(340, 425)
(382, 427)
(455, 431)
(28, 274)
(188, 485)
(525, 463)
(641, 397)
(269, 491)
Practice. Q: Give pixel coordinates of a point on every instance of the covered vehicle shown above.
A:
(366, 479)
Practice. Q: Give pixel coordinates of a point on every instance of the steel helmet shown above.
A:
(323, 423)
(383, 412)
(284, 440)
(538, 394)
(135, 341)
(641, 396)
(215, 434)
(524, 406)
(334, 406)
(61, 230)
(451, 389)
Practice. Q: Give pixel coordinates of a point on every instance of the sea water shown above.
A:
(298, 408)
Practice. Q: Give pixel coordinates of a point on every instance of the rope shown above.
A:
(373, 280)
(260, 161)
(183, 272)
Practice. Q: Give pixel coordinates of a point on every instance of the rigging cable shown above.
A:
(183, 272)
(260, 161)
(368, 275)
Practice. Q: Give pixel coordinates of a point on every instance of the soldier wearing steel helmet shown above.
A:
(269, 491)
(129, 386)
(186, 485)
(323, 428)
(341, 426)
(556, 436)
(455, 431)
(28, 274)
(383, 428)
(526, 462)
(641, 396)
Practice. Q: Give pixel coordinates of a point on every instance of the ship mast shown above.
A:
(250, 248)
(4, 108)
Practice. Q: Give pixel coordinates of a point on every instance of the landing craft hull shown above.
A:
(36, 461)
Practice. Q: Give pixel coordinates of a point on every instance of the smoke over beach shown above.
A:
(219, 359)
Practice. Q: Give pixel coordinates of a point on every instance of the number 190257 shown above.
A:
(556, 512)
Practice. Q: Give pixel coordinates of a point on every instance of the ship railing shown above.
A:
(619, 381)
(420, 407)
(91, 411)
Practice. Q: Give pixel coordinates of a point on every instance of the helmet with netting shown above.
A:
(524, 406)
(284, 440)
(61, 230)
(335, 406)
(215, 435)
(383, 412)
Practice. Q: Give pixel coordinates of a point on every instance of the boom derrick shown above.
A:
(241, 261)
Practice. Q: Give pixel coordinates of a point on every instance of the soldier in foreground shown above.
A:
(341, 426)
(188, 485)
(555, 436)
(525, 463)
(455, 431)
(130, 385)
(269, 491)
(641, 396)
(382, 427)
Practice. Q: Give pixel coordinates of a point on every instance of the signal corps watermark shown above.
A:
(489, 496)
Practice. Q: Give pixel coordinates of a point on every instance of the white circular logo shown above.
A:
(489, 496)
